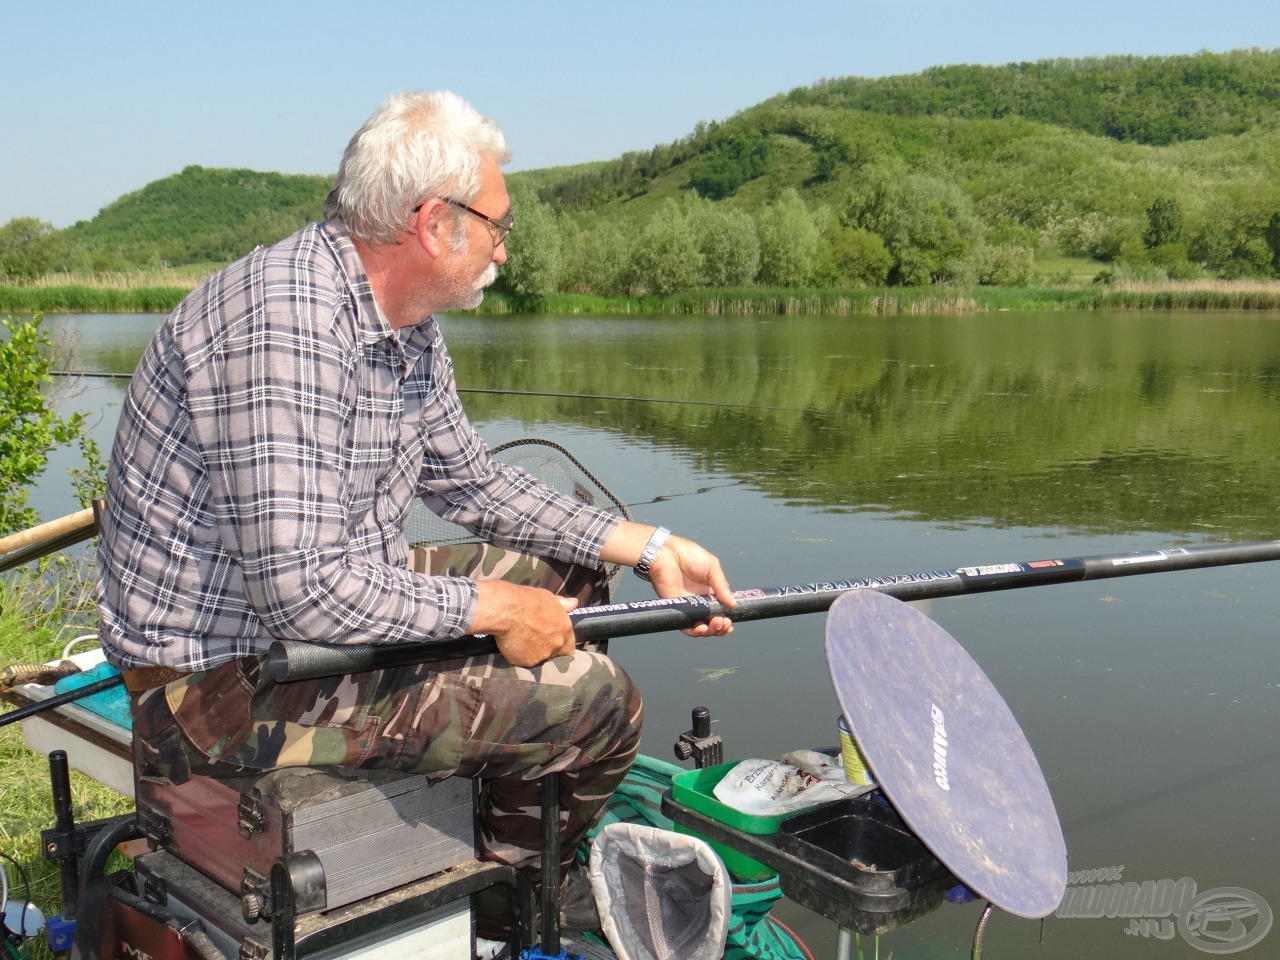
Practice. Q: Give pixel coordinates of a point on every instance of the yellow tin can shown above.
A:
(855, 764)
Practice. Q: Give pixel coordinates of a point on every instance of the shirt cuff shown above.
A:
(597, 528)
(458, 598)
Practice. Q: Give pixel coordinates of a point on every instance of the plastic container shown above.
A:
(885, 875)
(695, 789)
(111, 704)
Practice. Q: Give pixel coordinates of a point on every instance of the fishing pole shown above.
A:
(290, 660)
(26, 545)
(296, 660)
(60, 700)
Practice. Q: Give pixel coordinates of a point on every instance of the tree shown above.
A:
(1230, 245)
(736, 161)
(667, 257)
(789, 241)
(1006, 265)
(728, 242)
(29, 248)
(928, 225)
(1271, 236)
(534, 251)
(859, 256)
(29, 426)
(602, 260)
(1164, 223)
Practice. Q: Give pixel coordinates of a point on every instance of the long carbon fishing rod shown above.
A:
(295, 660)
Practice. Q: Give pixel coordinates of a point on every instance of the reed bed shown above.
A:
(74, 298)
(160, 290)
(1193, 295)
(148, 277)
(148, 290)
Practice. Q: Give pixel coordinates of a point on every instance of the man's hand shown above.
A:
(530, 625)
(682, 568)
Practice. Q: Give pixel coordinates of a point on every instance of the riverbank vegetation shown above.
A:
(876, 301)
(1030, 177)
(39, 614)
(42, 606)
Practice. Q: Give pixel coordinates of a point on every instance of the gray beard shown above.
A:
(475, 296)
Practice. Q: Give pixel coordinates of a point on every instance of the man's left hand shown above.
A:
(681, 569)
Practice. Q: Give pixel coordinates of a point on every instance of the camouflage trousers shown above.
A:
(577, 716)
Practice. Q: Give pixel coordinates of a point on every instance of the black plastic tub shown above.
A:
(870, 872)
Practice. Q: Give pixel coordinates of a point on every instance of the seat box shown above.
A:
(371, 831)
(440, 934)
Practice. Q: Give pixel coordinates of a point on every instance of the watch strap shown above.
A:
(650, 552)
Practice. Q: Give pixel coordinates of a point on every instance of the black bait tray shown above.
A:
(870, 873)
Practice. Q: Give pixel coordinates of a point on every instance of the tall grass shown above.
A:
(134, 293)
(83, 299)
(146, 290)
(179, 278)
(880, 301)
(1194, 295)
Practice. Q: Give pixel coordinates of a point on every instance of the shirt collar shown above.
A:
(412, 342)
(370, 321)
(418, 339)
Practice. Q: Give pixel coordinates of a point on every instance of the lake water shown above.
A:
(819, 448)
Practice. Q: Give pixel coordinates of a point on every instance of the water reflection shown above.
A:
(865, 446)
(1090, 423)
(1087, 422)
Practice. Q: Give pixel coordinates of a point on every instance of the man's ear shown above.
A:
(433, 227)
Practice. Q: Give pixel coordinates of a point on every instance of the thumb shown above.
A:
(568, 603)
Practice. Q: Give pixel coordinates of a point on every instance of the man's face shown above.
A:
(474, 261)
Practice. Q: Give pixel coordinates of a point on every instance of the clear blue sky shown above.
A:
(98, 99)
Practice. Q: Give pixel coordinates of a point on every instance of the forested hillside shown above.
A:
(1134, 167)
(1156, 166)
(201, 215)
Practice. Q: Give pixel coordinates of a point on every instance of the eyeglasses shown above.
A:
(504, 225)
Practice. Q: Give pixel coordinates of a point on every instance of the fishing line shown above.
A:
(664, 497)
(621, 397)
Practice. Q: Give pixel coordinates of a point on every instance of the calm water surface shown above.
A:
(814, 449)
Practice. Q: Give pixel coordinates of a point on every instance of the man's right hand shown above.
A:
(529, 624)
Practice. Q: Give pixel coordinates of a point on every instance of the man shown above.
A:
(274, 438)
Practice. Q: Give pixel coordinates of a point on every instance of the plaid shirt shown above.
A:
(274, 438)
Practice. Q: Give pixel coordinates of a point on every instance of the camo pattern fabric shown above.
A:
(578, 716)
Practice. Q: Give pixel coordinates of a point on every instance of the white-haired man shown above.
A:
(275, 436)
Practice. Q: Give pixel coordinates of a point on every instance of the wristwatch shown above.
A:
(650, 552)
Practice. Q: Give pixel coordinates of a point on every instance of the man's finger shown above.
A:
(720, 587)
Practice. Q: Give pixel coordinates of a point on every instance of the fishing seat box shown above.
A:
(371, 831)
(442, 933)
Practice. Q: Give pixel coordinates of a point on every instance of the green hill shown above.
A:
(1151, 100)
(958, 173)
(1057, 156)
(976, 126)
(199, 215)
